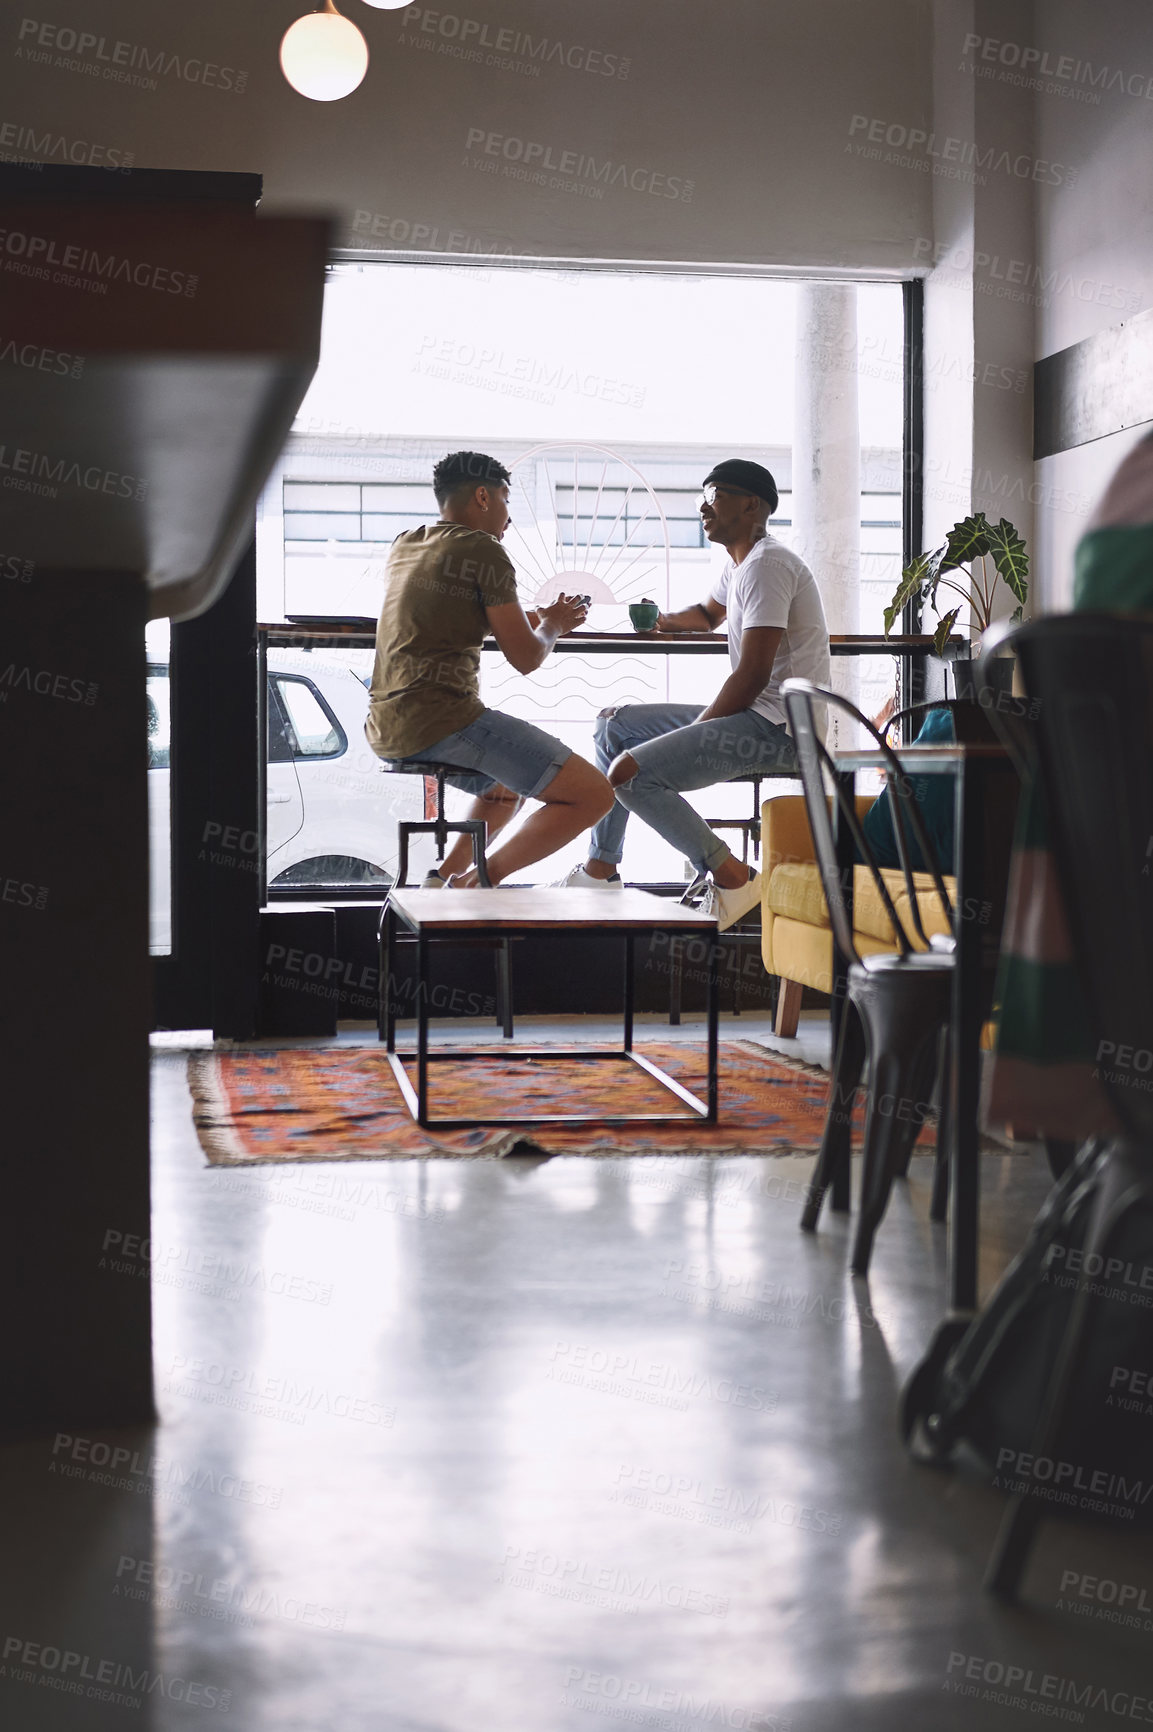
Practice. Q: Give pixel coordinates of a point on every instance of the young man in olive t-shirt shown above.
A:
(448, 585)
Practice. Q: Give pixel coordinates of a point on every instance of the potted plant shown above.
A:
(993, 552)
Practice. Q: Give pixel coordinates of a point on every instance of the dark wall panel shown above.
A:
(74, 1008)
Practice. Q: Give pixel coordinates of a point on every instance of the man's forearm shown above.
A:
(693, 618)
(546, 636)
(735, 695)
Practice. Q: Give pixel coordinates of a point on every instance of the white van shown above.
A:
(332, 810)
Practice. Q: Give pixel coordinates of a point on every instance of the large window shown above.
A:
(344, 511)
(608, 395)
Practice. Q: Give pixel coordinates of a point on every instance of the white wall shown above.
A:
(1027, 264)
(751, 103)
(1095, 237)
(979, 334)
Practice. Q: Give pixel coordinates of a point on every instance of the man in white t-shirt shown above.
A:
(653, 753)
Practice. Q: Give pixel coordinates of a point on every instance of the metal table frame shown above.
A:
(417, 1099)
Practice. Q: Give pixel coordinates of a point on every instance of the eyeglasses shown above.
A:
(712, 488)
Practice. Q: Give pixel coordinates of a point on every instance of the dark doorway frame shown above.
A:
(211, 978)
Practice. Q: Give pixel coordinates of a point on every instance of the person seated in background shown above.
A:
(654, 753)
(935, 797)
(447, 585)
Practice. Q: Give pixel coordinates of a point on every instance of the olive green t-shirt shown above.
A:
(426, 678)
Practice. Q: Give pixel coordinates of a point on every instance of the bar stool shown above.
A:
(438, 826)
(747, 932)
(441, 827)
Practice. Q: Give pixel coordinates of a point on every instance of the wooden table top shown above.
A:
(528, 906)
(360, 633)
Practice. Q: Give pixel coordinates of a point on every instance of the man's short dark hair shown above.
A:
(464, 471)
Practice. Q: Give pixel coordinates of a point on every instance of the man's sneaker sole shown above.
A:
(729, 906)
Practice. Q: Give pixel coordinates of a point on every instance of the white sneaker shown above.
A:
(579, 879)
(434, 881)
(729, 905)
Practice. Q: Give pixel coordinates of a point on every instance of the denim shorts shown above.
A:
(497, 749)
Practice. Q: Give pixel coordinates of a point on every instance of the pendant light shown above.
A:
(323, 55)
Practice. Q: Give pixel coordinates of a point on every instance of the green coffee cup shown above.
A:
(644, 615)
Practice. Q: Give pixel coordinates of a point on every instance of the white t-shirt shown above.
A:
(773, 586)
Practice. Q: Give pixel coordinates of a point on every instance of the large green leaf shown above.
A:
(967, 540)
(1010, 558)
(938, 567)
(945, 630)
(911, 584)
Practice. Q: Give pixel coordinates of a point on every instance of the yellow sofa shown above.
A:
(796, 937)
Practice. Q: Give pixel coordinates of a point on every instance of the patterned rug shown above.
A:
(343, 1104)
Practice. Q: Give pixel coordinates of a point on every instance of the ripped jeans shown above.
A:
(674, 752)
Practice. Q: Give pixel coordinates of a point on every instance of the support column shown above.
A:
(827, 460)
(75, 1011)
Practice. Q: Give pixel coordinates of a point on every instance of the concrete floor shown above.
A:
(520, 1444)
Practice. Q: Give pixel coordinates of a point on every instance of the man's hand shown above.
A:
(525, 640)
(885, 714)
(702, 616)
(564, 614)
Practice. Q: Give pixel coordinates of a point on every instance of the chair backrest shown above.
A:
(1090, 679)
(971, 721)
(906, 817)
(813, 758)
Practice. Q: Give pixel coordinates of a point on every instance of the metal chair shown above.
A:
(1090, 677)
(970, 720)
(441, 827)
(897, 1007)
(970, 724)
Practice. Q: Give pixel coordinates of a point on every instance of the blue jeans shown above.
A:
(675, 752)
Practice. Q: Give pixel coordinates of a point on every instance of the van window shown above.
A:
(313, 730)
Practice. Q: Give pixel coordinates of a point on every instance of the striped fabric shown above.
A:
(1044, 1079)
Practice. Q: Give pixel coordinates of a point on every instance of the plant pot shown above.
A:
(998, 673)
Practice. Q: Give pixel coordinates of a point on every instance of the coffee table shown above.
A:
(446, 917)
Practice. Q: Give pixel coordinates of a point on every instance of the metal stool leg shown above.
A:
(504, 988)
(386, 998)
(401, 879)
(476, 828)
(441, 831)
(473, 827)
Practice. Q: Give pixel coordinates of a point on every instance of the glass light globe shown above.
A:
(323, 56)
(387, 5)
